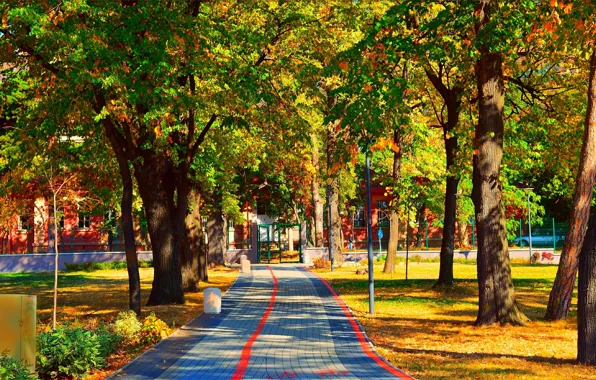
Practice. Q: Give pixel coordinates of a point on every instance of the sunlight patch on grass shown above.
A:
(430, 334)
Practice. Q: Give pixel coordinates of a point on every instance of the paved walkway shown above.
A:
(280, 322)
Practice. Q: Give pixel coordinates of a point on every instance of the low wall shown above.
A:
(233, 255)
(29, 262)
(313, 253)
(469, 254)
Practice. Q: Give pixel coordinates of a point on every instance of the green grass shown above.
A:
(430, 334)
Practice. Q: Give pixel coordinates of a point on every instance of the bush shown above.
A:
(108, 340)
(321, 263)
(416, 259)
(154, 329)
(112, 265)
(128, 326)
(68, 352)
(12, 369)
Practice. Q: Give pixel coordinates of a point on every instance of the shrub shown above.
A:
(416, 259)
(154, 329)
(128, 326)
(93, 266)
(321, 263)
(12, 369)
(68, 352)
(108, 340)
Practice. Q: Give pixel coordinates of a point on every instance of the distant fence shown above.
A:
(29, 262)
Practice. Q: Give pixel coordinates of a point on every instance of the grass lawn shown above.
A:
(90, 297)
(429, 333)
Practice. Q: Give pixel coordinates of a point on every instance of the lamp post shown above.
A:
(371, 281)
(529, 191)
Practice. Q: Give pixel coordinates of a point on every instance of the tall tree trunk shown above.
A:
(496, 293)
(391, 260)
(316, 195)
(586, 298)
(448, 239)
(560, 296)
(462, 232)
(333, 174)
(132, 265)
(130, 247)
(452, 99)
(216, 232)
(164, 228)
(421, 229)
(192, 249)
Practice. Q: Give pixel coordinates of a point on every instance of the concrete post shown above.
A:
(212, 301)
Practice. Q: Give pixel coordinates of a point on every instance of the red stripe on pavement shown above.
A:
(247, 350)
(366, 347)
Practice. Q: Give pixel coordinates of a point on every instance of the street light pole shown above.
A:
(530, 225)
(371, 281)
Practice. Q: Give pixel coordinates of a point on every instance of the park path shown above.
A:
(279, 322)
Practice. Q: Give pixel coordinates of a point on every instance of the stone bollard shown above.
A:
(212, 301)
(305, 258)
(245, 266)
(243, 257)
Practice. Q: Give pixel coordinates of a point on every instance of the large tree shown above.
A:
(496, 293)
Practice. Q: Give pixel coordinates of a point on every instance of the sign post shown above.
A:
(380, 235)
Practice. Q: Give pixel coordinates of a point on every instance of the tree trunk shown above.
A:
(132, 265)
(448, 240)
(333, 174)
(452, 100)
(164, 228)
(586, 298)
(316, 196)
(462, 232)
(191, 250)
(216, 232)
(560, 296)
(391, 260)
(496, 293)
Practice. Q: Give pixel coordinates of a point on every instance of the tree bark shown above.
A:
(130, 248)
(190, 259)
(316, 195)
(462, 232)
(165, 227)
(391, 260)
(496, 293)
(132, 265)
(586, 298)
(560, 296)
(452, 99)
(216, 233)
(333, 175)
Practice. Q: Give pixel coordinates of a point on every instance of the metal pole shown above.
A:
(371, 281)
(330, 228)
(407, 241)
(530, 227)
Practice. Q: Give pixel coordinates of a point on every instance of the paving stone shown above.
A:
(307, 335)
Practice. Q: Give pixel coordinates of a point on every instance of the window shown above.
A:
(84, 220)
(359, 217)
(23, 223)
(381, 205)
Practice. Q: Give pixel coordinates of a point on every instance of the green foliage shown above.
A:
(128, 326)
(112, 265)
(69, 352)
(12, 369)
(154, 329)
